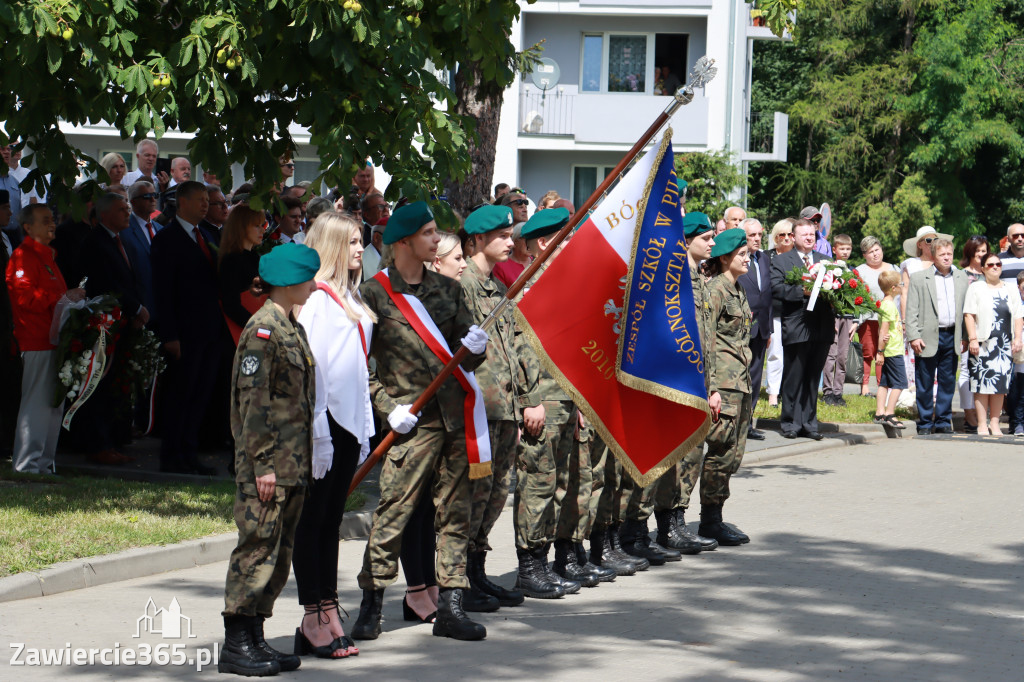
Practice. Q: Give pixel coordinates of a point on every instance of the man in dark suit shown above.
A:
(757, 283)
(806, 336)
(139, 236)
(191, 327)
(110, 266)
(217, 215)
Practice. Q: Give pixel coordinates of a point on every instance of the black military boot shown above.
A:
(477, 573)
(288, 662)
(706, 544)
(240, 654)
(635, 542)
(669, 535)
(533, 581)
(570, 586)
(604, 575)
(602, 554)
(711, 526)
(452, 621)
(568, 566)
(367, 625)
(613, 547)
(479, 602)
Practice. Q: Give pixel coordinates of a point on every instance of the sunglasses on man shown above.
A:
(519, 202)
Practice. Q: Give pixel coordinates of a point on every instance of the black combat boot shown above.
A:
(532, 580)
(636, 542)
(480, 602)
(613, 547)
(568, 566)
(711, 526)
(477, 573)
(602, 554)
(288, 662)
(669, 535)
(240, 654)
(452, 621)
(570, 586)
(604, 575)
(367, 625)
(706, 544)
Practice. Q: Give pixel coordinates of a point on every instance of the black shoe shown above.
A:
(894, 421)
(924, 430)
(706, 544)
(636, 542)
(479, 602)
(409, 613)
(570, 586)
(669, 554)
(880, 418)
(711, 526)
(477, 574)
(288, 662)
(669, 534)
(532, 580)
(789, 434)
(367, 625)
(754, 434)
(240, 654)
(452, 621)
(973, 430)
(839, 401)
(942, 429)
(604, 555)
(813, 435)
(604, 575)
(828, 399)
(567, 565)
(612, 535)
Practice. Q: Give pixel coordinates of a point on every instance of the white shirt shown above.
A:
(342, 377)
(945, 300)
(188, 227)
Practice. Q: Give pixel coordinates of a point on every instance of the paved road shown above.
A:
(889, 561)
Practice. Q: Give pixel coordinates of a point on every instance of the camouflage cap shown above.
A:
(289, 264)
(407, 221)
(696, 223)
(487, 218)
(728, 241)
(545, 222)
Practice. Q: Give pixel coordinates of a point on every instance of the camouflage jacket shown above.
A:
(558, 406)
(506, 390)
(405, 366)
(273, 391)
(702, 310)
(729, 333)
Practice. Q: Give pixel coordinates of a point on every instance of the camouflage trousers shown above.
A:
(689, 473)
(490, 493)
(726, 444)
(638, 503)
(425, 461)
(574, 485)
(536, 507)
(604, 486)
(262, 560)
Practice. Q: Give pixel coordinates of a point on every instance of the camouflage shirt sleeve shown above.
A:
(528, 376)
(254, 432)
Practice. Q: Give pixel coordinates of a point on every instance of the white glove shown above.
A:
(475, 340)
(323, 457)
(402, 420)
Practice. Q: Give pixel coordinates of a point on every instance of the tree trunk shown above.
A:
(477, 100)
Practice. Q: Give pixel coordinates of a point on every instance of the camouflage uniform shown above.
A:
(431, 458)
(690, 465)
(730, 377)
(579, 488)
(506, 391)
(603, 502)
(272, 398)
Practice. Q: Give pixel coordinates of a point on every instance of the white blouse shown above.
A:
(342, 378)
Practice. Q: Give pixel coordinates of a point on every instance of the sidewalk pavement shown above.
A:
(883, 561)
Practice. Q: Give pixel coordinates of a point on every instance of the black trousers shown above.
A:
(188, 384)
(419, 542)
(315, 557)
(802, 366)
(758, 347)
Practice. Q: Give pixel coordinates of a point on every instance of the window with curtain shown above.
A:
(627, 63)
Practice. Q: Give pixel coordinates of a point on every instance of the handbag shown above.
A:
(855, 364)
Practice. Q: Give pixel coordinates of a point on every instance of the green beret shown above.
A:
(487, 218)
(407, 221)
(696, 223)
(728, 241)
(289, 264)
(545, 222)
(682, 185)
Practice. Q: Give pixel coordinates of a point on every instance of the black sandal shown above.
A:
(344, 642)
(410, 614)
(303, 647)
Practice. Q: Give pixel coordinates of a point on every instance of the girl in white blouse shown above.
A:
(339, 327)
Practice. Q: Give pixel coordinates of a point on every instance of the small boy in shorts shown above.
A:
(890, 352)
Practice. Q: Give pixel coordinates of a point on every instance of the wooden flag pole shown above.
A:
(701, 74)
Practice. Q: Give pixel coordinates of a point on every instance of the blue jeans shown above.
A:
(942, 365)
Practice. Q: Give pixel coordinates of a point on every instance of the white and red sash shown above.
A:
(326, 288)
(478, 441)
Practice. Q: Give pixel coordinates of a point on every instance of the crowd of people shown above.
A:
(302, 334)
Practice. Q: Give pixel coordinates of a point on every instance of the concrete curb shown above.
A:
(145, 561)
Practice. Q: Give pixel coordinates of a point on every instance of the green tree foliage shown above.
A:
(711, 178)
(902, 113)
(365, 77)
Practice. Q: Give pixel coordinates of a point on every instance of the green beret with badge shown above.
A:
(728, 241)
(696, 223)
(407, 221)
(487, 218)
(289, 264)
(546, 222)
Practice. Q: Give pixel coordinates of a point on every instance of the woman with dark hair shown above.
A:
(239, 265)
(975, 250)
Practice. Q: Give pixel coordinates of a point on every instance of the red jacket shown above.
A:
(35, 285)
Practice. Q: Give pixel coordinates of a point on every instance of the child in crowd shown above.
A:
(1015, 406)
(834, 375)
(890, 351)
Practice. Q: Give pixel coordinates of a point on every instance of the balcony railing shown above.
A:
(545, 113)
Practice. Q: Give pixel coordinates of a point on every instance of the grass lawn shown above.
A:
(858, 410)
(43, 522)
